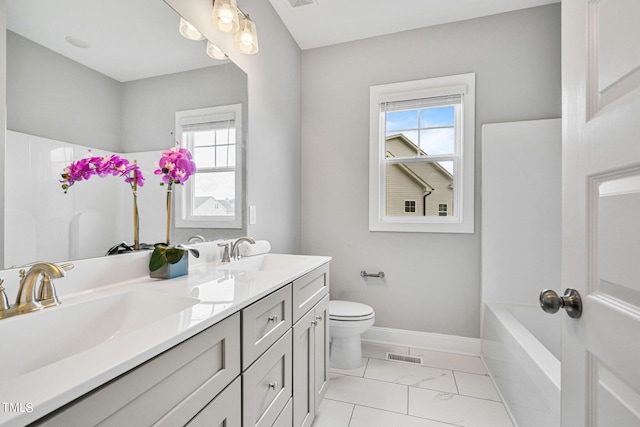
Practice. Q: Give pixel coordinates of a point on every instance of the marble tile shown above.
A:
(410, 374)
(357, 372)
(476, 386)
(333, 414)
(367, 392)
(379, 351)
(455, 362)
(371, 417)
(455, 409)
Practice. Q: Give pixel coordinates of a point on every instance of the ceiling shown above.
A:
(316, 23)
(129, 39)
(134, 39)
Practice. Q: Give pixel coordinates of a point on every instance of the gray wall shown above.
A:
(432, 281)
(149, 105)
(51, 96)
(54, 97)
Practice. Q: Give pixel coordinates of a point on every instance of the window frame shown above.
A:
(464, 156)
(411, 205)
(184, 217)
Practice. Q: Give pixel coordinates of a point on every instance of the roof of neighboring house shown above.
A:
(437, 166)
(201, 202)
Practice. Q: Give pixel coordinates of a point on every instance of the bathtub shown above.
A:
(521, 348)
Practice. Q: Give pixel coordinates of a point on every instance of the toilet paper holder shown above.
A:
(380, 274)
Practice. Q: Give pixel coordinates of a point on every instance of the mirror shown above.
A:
(106, 76)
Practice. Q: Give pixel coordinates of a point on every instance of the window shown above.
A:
(212, 198)
(422, 150)
(409, 206)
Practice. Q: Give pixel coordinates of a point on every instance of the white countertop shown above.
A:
(220, 290)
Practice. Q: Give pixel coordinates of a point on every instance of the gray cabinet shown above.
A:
(266, 385)
(168, 390)
(309, 289)
(224, 410)
(263, 323)
(253, 368)
(310, 362)
(284, 386)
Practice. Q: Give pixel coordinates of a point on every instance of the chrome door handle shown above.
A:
(550, 302)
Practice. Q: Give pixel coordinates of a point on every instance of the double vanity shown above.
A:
(244, 343)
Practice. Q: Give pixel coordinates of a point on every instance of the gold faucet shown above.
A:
(28, 299)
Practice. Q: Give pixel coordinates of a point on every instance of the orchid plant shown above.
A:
(103, 166)
(176, 165)
(114, 165)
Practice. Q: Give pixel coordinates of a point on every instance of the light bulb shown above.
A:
(246, 40)
(225, 16)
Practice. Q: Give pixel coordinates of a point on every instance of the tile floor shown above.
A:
(447, 390)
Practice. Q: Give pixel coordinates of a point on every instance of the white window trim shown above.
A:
(185, 193)
(463, 221)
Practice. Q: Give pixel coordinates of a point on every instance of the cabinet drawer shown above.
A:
(194, 371)
(263, 323)
(309, 289)
(285, 417)
(266, 385)
(225, 410)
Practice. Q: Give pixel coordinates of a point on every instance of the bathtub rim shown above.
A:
(538, 353)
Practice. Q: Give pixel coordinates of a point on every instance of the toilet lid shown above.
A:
(349, 310)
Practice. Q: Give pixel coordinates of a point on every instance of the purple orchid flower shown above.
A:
(176, 166)
(114, 165)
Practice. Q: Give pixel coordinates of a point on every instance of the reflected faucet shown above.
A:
(234, 248)
(28, 299)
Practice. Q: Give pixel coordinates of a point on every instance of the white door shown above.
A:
(601, 211)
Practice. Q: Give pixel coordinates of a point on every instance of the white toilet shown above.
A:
(347, 321)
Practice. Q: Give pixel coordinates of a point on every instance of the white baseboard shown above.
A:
(426, 340)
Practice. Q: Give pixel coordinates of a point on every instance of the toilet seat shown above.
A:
(349, 311)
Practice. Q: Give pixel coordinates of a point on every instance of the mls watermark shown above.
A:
(21, 407)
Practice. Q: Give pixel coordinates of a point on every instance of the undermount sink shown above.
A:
(41, 338)
(268, 262)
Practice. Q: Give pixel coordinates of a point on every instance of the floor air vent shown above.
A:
(405, 358)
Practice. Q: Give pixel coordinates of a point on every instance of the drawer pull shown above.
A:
(273, 318)
(319, 318)
(273, 385)
(314, 322)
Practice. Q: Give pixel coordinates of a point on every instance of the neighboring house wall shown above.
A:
(516, 58)
(417, 182)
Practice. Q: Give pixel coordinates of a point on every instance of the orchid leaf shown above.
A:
(168, 254)
(174, 254)
(158, 257)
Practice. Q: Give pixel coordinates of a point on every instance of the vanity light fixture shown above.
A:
(228, 18)
(214, 51)
(189, 31)
(225, 16)
(246, 39)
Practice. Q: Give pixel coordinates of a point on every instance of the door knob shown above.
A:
(570, 301)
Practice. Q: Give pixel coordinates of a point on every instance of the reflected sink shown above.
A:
(268, 262)
(44, 337)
